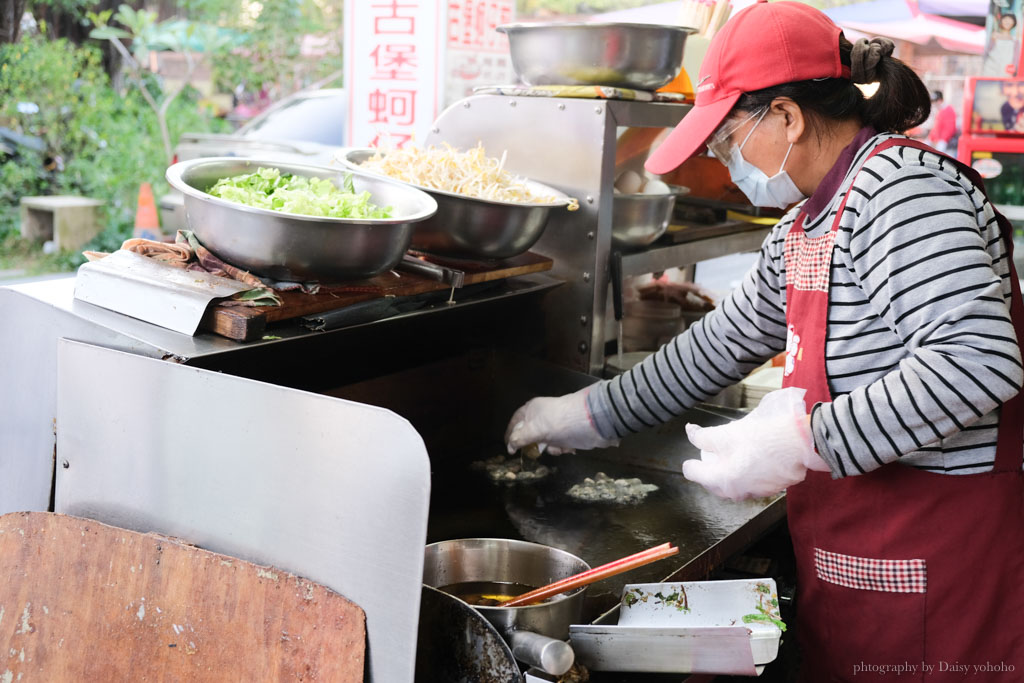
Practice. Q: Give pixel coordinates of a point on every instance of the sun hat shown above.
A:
(765, 44)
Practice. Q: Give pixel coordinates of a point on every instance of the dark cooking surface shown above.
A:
(461, 406)
(465, 503)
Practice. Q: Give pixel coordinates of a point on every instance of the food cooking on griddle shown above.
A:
(604, 489)
(512, 469)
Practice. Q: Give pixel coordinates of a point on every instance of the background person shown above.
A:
(943, 130)
(1012, 111)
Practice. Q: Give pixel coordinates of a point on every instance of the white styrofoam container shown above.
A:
(689, 627)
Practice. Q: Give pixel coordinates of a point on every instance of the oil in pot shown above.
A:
(486, 593)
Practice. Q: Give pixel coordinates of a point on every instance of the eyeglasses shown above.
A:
(720, 142)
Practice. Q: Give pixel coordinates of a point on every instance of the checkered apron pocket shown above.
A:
(866, 573)
(808, 260)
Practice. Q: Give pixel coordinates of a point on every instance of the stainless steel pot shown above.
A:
(623, 55)
(288, 246)
(477, 228)
(535, 632)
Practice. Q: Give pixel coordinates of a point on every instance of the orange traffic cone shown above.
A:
(147, 223)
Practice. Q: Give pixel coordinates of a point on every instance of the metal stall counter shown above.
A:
(222, 443)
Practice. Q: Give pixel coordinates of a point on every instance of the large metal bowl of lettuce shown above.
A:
(263, 217)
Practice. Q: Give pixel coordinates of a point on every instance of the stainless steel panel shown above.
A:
(28, 375)
(331, 490)
(56, 298)
(152, 290)
(646, 114)
(568, 144)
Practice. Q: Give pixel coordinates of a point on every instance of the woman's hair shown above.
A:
(900, 103)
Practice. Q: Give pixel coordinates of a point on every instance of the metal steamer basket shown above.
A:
(288, 246)
(474, 228)
(622, 55)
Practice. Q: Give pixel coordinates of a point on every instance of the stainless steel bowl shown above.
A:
(476, 228)
(288, 246)
(636, 56)
(640, 219)
(502, 560)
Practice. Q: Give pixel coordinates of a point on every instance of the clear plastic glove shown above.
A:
(558, 424)
(758, 455)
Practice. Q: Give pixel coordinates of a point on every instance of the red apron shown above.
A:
(903, 574)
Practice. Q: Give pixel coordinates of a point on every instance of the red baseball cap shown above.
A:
(765, 44)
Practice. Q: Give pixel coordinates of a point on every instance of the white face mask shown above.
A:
(779, 191)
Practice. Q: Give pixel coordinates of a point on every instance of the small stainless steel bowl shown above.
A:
(635, 56)
(476, 228)
(640, 219)
(288, 246)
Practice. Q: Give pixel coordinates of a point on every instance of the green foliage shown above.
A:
(530, 7)
(108, 143)
(271, 52)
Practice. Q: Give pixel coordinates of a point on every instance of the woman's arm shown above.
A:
(714, 353)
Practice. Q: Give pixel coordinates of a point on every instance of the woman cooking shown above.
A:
(890, 286)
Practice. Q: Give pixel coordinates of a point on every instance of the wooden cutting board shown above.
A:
(248, 323)
(83, 601)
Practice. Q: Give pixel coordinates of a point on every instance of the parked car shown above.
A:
(306, 127)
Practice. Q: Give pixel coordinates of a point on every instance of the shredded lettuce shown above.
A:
(268, 188)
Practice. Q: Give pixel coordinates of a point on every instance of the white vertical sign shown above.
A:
(393, 68)
(477, 53)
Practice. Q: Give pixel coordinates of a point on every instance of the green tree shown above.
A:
(274, 31)
(107, 143)
(10, 20)
(146, 35)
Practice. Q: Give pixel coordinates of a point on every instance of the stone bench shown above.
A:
(68, 221)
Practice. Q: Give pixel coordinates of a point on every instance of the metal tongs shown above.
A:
(451, 276)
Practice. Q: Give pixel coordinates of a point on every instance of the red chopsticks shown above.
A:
(596, 574)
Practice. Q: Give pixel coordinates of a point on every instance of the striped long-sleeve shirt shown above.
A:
(920, 351)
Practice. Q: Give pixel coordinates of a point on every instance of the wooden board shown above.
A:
(83, 601)
(245, 323)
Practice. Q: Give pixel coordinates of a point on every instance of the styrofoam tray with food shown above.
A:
(715, 627)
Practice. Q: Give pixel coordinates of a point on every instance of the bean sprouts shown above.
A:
(471, 173)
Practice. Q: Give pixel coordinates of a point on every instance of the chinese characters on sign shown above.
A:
(477, 54)
(392, 65)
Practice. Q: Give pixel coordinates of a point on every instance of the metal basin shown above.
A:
(288, 246)
(535, 632)
(640, 219)
(476, 228)
(635, 56)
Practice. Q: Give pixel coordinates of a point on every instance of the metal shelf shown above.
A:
(647, 114)
(739, 237)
